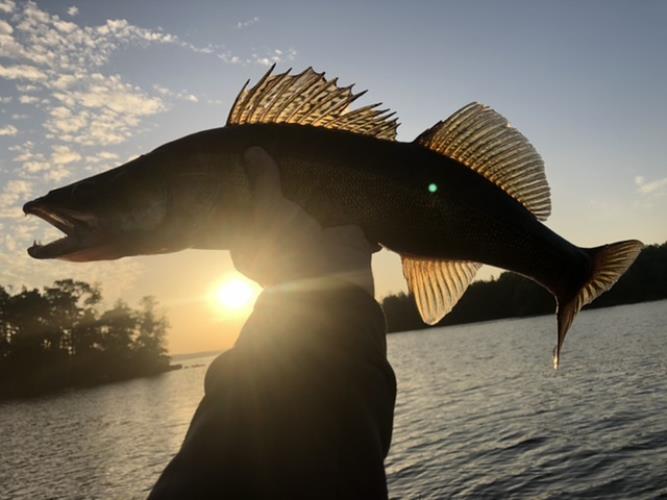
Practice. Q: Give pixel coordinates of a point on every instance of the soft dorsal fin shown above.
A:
(308, 98)
(484, 141)
(437, 285)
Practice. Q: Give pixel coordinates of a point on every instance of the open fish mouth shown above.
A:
(83, 235)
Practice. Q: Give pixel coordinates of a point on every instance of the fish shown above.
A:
(470, 190)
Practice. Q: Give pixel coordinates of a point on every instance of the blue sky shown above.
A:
(86, 85)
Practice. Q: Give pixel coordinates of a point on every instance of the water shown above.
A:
(480, 413)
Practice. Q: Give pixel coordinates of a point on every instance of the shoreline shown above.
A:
(34, 389)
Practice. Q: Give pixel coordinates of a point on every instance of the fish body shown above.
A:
(469, 191)
(383, 186)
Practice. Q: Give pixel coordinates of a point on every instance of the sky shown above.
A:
(85, 86)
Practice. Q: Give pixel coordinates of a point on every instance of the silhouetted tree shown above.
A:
(118, 326)
(149, 344)
(69, 303)
(56, 337)
(5, 331)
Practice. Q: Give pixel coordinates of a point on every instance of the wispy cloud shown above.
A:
(8, 130)
(28, 99)
(658, 186)
(64, 60)
(183, 95)
(72, 11)
(22, 72)
(248, 22)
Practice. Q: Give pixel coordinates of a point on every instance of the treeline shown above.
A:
(57, 337)
(512, 295)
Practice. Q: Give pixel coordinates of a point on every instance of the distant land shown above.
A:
(56, 338)
(512, 295)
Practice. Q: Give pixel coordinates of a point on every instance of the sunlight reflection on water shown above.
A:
(480, 413)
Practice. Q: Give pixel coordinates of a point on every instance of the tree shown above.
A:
(118, 326)
(57, 338)
(5, 330)
(27, 318)
(153, 327)
(70, 306)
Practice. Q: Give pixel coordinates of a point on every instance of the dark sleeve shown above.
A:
(301, 407)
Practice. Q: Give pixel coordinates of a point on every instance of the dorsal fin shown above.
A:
(437, 285)
(484, 141)
(308, 98)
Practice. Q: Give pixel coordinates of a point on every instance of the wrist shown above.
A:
(362, 280)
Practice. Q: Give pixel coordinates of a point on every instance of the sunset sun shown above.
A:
(235, 294)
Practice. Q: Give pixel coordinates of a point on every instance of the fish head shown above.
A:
(105, 216)
(164, 201)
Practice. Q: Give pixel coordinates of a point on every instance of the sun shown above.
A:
(235, 294)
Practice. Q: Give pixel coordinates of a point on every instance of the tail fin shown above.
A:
(609, 264)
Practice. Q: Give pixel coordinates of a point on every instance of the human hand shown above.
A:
(282, 244)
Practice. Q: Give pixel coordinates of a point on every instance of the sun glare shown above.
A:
(235, 294)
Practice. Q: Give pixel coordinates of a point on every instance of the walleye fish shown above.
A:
(470, 190)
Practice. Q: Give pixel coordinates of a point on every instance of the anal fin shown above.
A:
(437, 285)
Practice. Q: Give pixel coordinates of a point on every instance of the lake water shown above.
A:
(480, 413)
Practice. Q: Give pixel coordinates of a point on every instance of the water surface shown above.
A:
(480, 413)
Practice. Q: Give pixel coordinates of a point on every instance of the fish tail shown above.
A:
(609, 263)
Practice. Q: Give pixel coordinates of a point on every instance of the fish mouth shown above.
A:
(84, 238)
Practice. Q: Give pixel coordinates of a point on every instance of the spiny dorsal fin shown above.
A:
(437, 285)
(308, 98)
(484, 141)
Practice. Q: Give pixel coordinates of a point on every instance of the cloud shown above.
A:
(72, 11)
(106, 155)
(26, 87)
(57, 173)
(184, 95)
(249, 22)
(12, 197)
(28, 99)
(275, 56)
(22, 72)
(6, 99)
(8, 130)
(7, 6)
(34, 166)
(62, 155)
(83, 105)
(5, 28)
(658, 186)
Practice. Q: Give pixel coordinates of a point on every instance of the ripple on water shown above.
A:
(480, 414)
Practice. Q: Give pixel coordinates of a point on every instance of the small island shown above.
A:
(56, 338)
